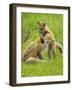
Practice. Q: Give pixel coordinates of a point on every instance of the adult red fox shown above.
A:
(49, 39)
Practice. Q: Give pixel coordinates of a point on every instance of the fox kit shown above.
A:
(33, 51)
(49, 39)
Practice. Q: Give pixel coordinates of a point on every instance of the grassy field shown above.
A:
(30, 33)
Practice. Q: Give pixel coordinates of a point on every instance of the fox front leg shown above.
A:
(49, 52)
(53, 51)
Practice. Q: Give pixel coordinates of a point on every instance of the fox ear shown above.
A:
(44, 24)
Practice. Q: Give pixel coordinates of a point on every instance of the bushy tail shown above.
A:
(59, 46)
(33, 60)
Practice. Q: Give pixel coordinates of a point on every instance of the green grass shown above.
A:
(29, 24)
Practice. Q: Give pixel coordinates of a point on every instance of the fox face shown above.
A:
(41, 27)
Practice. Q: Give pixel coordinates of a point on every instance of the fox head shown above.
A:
(41, 26)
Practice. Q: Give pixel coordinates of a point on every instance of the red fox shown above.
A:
(49, 39)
